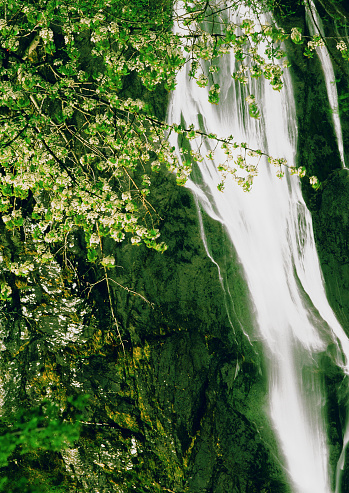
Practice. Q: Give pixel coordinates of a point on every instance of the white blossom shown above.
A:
(94, 239)
(341, 46)
(46, 35)
(250, 99)
(296, 34)
(108, 261)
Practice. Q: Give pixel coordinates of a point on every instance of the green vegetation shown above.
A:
(77, 156)
(26, 436)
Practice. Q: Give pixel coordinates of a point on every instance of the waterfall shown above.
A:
(316, 28)
(271, 230)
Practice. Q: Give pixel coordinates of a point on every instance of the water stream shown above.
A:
(271, 230)
(316, 28)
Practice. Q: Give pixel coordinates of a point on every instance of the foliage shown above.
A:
(75, 155)
(35, 430)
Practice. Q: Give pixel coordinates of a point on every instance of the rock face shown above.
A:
(331, 225)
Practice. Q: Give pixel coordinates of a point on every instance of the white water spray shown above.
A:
(271, 230)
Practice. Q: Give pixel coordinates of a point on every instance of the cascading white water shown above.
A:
(271, 230)
(315, 28)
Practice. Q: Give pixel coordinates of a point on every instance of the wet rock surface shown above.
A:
(331, 227)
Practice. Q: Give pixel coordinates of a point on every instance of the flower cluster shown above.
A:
(253, 108)
(316, 42)
(343, 48)
(296, 35)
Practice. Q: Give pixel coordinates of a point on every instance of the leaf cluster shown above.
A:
(41, 429)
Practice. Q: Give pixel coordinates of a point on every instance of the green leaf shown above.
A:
(92, 255)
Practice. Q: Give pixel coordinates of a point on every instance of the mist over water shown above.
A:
(271, 230)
